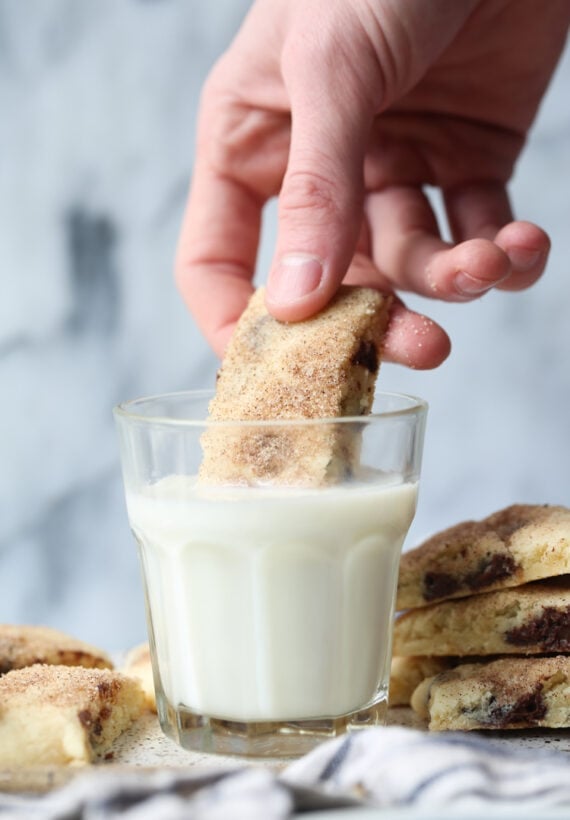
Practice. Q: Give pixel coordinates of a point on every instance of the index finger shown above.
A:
(217, 249)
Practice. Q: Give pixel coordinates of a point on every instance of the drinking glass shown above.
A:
(269, 554)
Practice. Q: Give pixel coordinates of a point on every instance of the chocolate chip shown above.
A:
(530, 708)
(85, 718)
(492, 568)
(550, 631)
(439, 585)
(366, 356)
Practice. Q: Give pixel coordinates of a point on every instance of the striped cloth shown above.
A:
(407, 768)
(415, 774)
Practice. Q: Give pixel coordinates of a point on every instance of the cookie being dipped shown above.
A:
(324, 367)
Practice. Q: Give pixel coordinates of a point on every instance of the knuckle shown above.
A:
(218, 141)
(306, 190)
(224, 124)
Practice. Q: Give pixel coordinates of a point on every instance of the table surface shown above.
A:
(144, 746)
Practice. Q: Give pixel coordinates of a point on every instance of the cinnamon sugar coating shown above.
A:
(508, 693)
(322, 368)
(64, 714)
(22, 645)
(521, 543)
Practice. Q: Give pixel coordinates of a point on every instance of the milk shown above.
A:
(271, 604)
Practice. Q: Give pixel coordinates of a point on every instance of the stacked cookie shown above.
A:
(483, 639)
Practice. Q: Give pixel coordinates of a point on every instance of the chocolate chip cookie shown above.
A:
(521, 543)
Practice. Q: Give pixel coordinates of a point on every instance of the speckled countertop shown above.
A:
(144, 746)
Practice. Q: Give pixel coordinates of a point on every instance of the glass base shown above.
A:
(291, 738)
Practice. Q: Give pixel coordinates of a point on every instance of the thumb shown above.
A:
(320, 203)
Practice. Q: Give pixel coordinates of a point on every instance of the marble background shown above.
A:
(98, 103)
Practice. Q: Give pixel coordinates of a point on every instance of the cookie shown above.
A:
(406, 674)
(509, 693)
(26, 645)
(59, 715)
(322, 368)
(138, 665)
(531, 619)
(516, 545)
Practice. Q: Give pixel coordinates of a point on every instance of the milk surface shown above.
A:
(271, 604)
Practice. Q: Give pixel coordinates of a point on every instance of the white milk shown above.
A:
(271, 604)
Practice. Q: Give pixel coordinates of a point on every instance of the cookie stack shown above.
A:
(483, 638)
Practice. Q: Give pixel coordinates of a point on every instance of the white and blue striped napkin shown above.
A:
(398, 772)
(397, 767)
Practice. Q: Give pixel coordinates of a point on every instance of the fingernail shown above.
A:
(295, 276)
(469, 286)
(523, 259)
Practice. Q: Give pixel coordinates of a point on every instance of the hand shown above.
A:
(345, 110)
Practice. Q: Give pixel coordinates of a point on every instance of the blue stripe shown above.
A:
(336, 760)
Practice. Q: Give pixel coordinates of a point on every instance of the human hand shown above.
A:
(345, 111)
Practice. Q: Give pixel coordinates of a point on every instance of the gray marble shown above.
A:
(98, 103)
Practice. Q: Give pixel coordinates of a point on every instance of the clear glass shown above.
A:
(269, 554)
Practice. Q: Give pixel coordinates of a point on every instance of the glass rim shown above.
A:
(126, 410)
